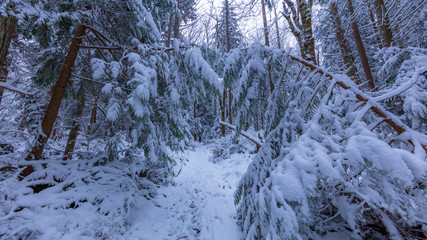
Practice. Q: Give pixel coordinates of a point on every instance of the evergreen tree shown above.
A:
(233, 33)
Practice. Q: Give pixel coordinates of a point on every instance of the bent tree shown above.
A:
(55, 101)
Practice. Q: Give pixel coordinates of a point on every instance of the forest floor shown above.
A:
(200, 203)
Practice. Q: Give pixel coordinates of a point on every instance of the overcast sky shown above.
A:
(251, 22)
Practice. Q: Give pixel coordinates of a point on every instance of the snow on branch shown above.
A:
(245, 134)
(392, 120)
(14, 89)
(404, 87)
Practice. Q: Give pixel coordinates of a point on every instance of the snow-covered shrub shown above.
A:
(225, 146)
(87, 199)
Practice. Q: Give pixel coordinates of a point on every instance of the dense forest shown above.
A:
(289, 119)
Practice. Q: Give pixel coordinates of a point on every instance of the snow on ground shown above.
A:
(200, 205)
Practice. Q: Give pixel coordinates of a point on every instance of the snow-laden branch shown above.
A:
(14, 89)
(245, 134)
(392, 120)
(101, 47)
(404, 87)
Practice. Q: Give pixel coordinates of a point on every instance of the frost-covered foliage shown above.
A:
(404, 84)
(251, 72)
(328, 167)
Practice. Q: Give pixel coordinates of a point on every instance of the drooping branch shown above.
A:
(251, 138)
(14, 89)
(389, 118)
(100, 47)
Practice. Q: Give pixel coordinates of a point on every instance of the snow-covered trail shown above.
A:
(199, 206)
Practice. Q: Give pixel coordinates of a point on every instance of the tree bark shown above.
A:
(307, 38)
(74, 132)
(300, 23)
(230, 100)
(215, 111)
(93, 114)
(375, 26)
(176, 23)
(7, 30)
(168, 41)
(58, 93)
(346, 54)
(383, 23)
(222, 103)
(360, 47)
(267, 41)
(227, 26)
(276, 22)
(194, 116)
(264, 20)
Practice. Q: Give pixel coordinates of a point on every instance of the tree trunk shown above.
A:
(222, 103)
(194, 116)
(58, 93)
(276, 22)
(93, 114)
(360, 47)
(215, 106)
(230, 100)
(348, 59)
(375, 26)
(176, 23)
(300, 24)
(264, 20)
(307, 36)
(168, 41)
(383, 23)
(74, 132)
(7, 30)
(227, 26)
(256, 123)
(267, 41)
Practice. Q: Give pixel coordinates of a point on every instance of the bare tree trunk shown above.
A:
(215, 111)
(168, 41)
(7, 30)
(262, 120)
(348, 59)
(267, 41)
(55, 102)
(223, 112)
(383, 23)
(264, 20)
(93, 114)
(74, 132)
(300, 23)
(176, 23)
(256, 123)
(230, 100)
(360, 47)
(194, 116)
(217, 35)
(375, 26)
(270, 78)
(276, 22)
(308, 38)
(227, 26)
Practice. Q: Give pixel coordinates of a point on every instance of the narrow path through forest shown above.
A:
(200, 205)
